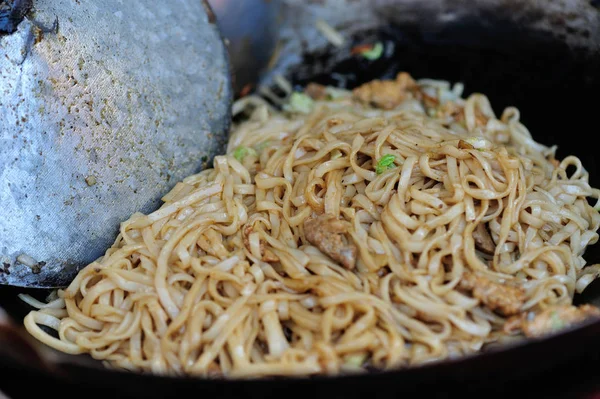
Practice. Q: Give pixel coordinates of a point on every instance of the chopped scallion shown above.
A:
(241, 152)
(385, 162)
(299, 102)
(374, 52)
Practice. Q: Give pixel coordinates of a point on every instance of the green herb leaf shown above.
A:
(374, 53)
(299, 102)
(241, 152)
(385, 162)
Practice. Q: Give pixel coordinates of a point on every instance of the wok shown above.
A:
(540, 56)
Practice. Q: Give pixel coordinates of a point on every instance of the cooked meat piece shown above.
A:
(483, 239)
(386, 94)
(327, 233)
(267, 254)
(550, 320)
(316, 91)
(500, 298)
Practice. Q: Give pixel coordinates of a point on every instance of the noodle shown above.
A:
(332, 35)
(352, 236)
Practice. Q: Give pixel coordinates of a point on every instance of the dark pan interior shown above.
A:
(555, 87)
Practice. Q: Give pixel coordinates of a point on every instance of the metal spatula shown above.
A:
(104, 106)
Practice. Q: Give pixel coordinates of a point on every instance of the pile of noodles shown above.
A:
(189, 288)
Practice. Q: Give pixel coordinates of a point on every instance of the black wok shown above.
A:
(542, 57)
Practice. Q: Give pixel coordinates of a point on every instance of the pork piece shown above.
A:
(386, 94)
(500, 298)
(327, 233)
(483, 240)
(550, 320)
(267, 254)
(316, 91)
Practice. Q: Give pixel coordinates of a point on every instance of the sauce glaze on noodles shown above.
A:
(221, 280)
